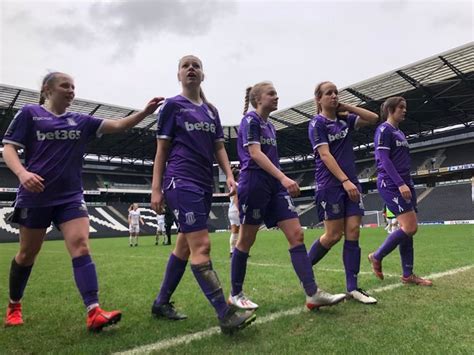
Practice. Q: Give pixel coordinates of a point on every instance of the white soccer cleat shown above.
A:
(362, 296)
(323, 299)
(241, 301)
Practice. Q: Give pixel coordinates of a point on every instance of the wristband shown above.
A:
(343, 181)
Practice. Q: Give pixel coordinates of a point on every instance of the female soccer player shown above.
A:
(264, 196)
(233, 215)
(134, 220)
(337, 191)
(54, 142)
(395, 185)
(189, 136)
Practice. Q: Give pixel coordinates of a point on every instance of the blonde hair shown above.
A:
(253, 93)
(201, 92)
(49, 79)
(318, 93)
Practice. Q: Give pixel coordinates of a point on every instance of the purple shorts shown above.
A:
(393, 198)
(43, 216)
(190, 204)
(334, 203)
(263, 198)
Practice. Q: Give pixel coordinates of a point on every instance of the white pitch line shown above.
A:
(186, 339)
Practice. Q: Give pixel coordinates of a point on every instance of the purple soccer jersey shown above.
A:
(54, 148)
(393, 140)
(193, 131)
(335, 133)
(254, 130)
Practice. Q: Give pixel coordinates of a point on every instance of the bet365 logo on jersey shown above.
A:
(60, 134)
(200, 126)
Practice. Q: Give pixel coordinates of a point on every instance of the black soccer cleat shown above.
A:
(167, 311)
(234, 321)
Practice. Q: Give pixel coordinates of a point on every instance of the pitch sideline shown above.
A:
(186, 339)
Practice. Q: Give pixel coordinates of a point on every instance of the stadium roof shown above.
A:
(439, 91)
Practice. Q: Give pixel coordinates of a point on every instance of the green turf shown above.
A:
(406, 320)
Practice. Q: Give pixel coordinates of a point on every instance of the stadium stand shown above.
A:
(439, 125)
(447, 203)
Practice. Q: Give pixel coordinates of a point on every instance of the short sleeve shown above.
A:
(252, 133)
(94, 126)
(320, 134)
(219, 130)
(352, 121)
(166, 121)
(17, 131)
(383, 138)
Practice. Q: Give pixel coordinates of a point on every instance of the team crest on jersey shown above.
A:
(256, 213)
(190, 220)
(335, 208)
(211, 114)
(71, 122)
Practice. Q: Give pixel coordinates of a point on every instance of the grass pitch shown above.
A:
(407, 319)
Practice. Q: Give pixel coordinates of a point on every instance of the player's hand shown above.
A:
(31, 182)
(351, 190)
(232, 185)
(405, 192)
(153, 105)
(157, 201)
(291, 186)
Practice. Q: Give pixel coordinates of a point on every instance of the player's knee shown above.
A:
(410, 229)
(26, 257)
(296, 237)
(334, 236)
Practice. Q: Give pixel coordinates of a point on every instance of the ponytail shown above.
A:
(47, 80)
(247, 99)
(204, 99)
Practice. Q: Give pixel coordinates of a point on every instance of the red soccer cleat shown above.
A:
(416, 280)
(376, 266)
(14, 316)
(97, 319)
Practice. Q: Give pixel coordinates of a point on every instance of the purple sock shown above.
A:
(173, 274)
(389, 244)
(407, 256)
(19, 276)
(351, 259)
(86, 279)
(317, 252)
(211, 286)
(238, 268)
(302, 266)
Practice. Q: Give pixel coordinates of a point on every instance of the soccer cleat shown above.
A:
(97, 319)
(376, 266)
(14, 317)
(361, 296)
(323, 299)
(234, 321)
(416, 280)
(241, 301)
(166, 311)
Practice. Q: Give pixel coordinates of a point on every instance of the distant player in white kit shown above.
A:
(233, 215)
(134, 220)
(160, 228)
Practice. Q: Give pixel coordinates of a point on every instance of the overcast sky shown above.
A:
(125, 52)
